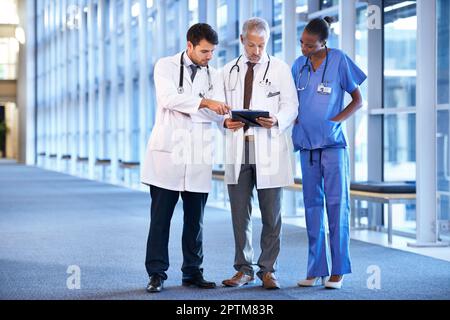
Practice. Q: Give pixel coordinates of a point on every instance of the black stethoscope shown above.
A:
(181, 82)
(306, 65)
(236, 67)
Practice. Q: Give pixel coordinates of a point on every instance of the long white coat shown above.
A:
(273, 147)
(179, 151)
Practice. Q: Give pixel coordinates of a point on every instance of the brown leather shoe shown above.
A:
(239, 279)
(270, 281)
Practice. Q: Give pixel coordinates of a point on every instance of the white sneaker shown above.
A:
(312, 282)
(334, 285)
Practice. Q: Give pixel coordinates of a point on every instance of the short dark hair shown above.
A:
(202, 31)
(320, 27)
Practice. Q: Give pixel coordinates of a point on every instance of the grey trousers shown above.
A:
(241, 196)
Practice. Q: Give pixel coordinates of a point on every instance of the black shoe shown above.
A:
(155, 284)
(198, 282)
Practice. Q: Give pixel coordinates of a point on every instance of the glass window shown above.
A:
(324, 4)
(277, 45)
(302, 6)
(222, 15)
(400, 23)
(193, 12)
(443, 117)
(227, 21)
(361, 118)
(400, 147)
(400, 31)
(172, 38)
(9, 49)
(301, 12)
(443, 151)
(277, 12)
(333, 39)
(119, 17)
(443, 34)
(258, 8)
(8, 12)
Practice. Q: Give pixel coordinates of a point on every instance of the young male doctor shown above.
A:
(187, 90)
(262, 156)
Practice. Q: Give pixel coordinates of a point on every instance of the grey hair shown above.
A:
(257, 25)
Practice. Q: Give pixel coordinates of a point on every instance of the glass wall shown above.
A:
(443, 116)
(399, 102)
(9, 44)
(8, 12)
(9, 50)
(95, 91)
(400, 28)
(324, 4)
(361, 117)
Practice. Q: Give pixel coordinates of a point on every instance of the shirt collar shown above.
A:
(187, 61)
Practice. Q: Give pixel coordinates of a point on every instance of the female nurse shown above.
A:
(322, 76)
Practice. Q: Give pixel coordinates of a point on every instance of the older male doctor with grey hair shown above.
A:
(260, 156)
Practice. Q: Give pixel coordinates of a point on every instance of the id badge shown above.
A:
(322, 89)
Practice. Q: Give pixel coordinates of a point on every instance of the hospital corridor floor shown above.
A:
(55, 226)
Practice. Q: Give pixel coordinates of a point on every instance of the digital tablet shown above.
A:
(249, 116)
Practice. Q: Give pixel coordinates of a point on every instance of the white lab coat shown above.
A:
(179, 151)
(273, 148)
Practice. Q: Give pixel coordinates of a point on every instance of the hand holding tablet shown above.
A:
(249, 117)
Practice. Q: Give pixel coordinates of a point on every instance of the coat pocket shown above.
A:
(161, 138)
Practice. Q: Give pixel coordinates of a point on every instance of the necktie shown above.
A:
(194, 69)
(248, 87)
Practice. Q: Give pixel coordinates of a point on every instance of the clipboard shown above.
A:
(249, 116)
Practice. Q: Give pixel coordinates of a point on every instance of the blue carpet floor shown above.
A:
(50, 221)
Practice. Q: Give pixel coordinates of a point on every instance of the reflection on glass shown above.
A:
(172, 24)
(222, 15)
(443, 33)
(9, 49)
(328, 4)
(258, 8)
(302, 6)
(333, 39)
(193, 12)
(277, 12)
(400, 147)
(443, 168)
(403, 218)
(361, 59)
(8, 12)
(400, 29)
(277, 45)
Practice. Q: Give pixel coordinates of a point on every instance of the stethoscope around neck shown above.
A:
(264, 81)
(181, 82)
(307, 66)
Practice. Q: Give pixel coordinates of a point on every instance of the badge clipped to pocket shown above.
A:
(323, 89)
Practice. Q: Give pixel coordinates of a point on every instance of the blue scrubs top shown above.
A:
(313, 128)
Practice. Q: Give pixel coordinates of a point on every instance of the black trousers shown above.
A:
(162, 208)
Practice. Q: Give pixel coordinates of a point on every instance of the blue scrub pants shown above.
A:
(326, 183)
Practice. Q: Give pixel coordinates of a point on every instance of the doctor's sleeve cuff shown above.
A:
(221, 123)
(284, 121)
